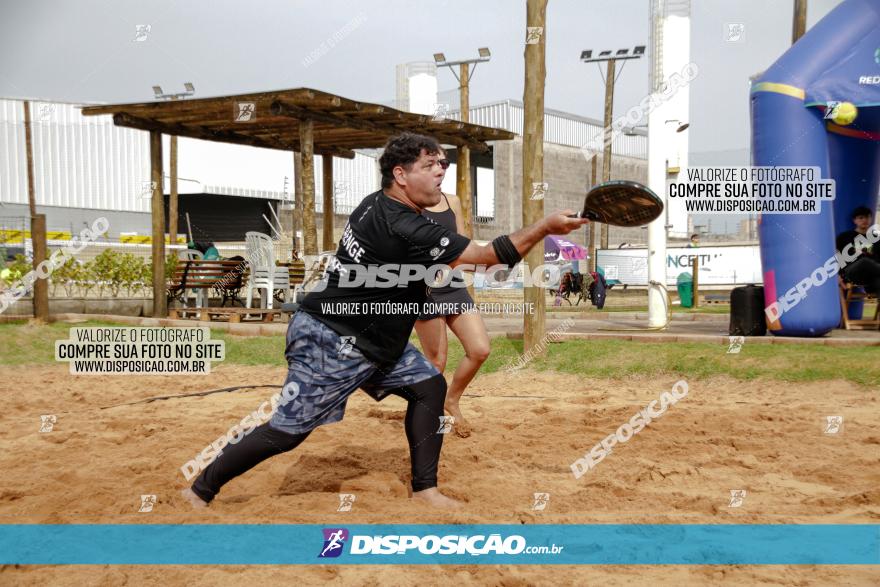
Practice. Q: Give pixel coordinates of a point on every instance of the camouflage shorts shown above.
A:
(324, 369)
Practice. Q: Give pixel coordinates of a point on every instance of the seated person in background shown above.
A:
(865, 270)
(211, 253)
(208, 250)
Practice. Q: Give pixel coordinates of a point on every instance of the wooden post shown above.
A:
(799, 26)
(157, 210)
(38, 226)
(329, 191)
(696, 281)
(463, 166)
(534, 324)
(29, 155)
(310, 230)
(172, 197)
(41, 284)
(606, 155)
(594, 164)
(297, 200)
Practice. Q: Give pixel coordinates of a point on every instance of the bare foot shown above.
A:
(193, 499)
(433, 497)
(460, 426)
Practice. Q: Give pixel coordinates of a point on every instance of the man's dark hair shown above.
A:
(404, 149)
(695, 235)
(862, 211)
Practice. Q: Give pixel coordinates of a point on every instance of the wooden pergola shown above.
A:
(301, 120)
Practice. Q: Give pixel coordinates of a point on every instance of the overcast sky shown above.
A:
(84, 50)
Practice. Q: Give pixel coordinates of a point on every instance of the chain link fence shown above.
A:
(106, 267)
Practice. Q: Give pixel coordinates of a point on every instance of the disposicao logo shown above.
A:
(334, 541)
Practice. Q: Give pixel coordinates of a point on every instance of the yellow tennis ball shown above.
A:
(845, 114)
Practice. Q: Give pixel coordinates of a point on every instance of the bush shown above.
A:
(110, 271)
(106, 271)
(131, 272)
(17, 269)
(67, 275)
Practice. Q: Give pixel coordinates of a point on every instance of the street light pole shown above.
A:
(606, 155)
(610, 77)
(172, 196)
(799, 26)
(463, 169)
(463, 185)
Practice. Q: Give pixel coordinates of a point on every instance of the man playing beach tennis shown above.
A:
(354, 335)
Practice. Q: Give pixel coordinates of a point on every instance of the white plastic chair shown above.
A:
(264, 274)
(201, 294)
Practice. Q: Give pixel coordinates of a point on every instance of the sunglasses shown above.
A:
(443, 163)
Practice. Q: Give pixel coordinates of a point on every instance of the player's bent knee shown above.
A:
(431, 390)
(479, 353)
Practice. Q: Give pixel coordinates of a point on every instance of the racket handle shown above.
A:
(588, 215)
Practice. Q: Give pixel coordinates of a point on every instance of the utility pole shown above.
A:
(607, 139)
(172, 197)
(534, 324)
(297, 202)
(610, 78)
(799, 26)
(463, 169)
(307, 153)
(591, 263)
(463, 187)
(38, 226)
(172, 160)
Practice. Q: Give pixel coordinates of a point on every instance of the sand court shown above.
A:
(766, 438)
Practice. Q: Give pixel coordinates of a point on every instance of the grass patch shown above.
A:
(707, 309)
(619, 359)
(22, 344)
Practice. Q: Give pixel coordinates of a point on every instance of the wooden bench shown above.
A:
(232, 315)
(225, 277)
(297, 273)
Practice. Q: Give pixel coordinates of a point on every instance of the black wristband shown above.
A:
(505, 251)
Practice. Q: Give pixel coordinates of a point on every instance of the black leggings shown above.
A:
(424, 409)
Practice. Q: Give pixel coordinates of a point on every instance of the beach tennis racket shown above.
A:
(621, 203)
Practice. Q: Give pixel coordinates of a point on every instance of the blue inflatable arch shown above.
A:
(838, 60)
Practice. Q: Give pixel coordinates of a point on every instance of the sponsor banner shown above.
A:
(698, 544)
(734, 265)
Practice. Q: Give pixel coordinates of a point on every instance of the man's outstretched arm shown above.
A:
(523, 239)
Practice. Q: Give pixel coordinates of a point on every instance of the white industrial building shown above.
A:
(87, 167)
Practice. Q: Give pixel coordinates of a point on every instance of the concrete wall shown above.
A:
(567, 170)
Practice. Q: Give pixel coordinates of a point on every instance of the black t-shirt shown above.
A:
(382, 231)
(849, 236)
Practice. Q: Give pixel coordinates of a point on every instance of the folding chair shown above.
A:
(851, 292)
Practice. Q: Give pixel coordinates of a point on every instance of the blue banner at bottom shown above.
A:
(619, 544)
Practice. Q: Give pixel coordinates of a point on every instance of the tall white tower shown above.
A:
(667, 147)
(417, 87)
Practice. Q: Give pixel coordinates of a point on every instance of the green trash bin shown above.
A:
(685, 286)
